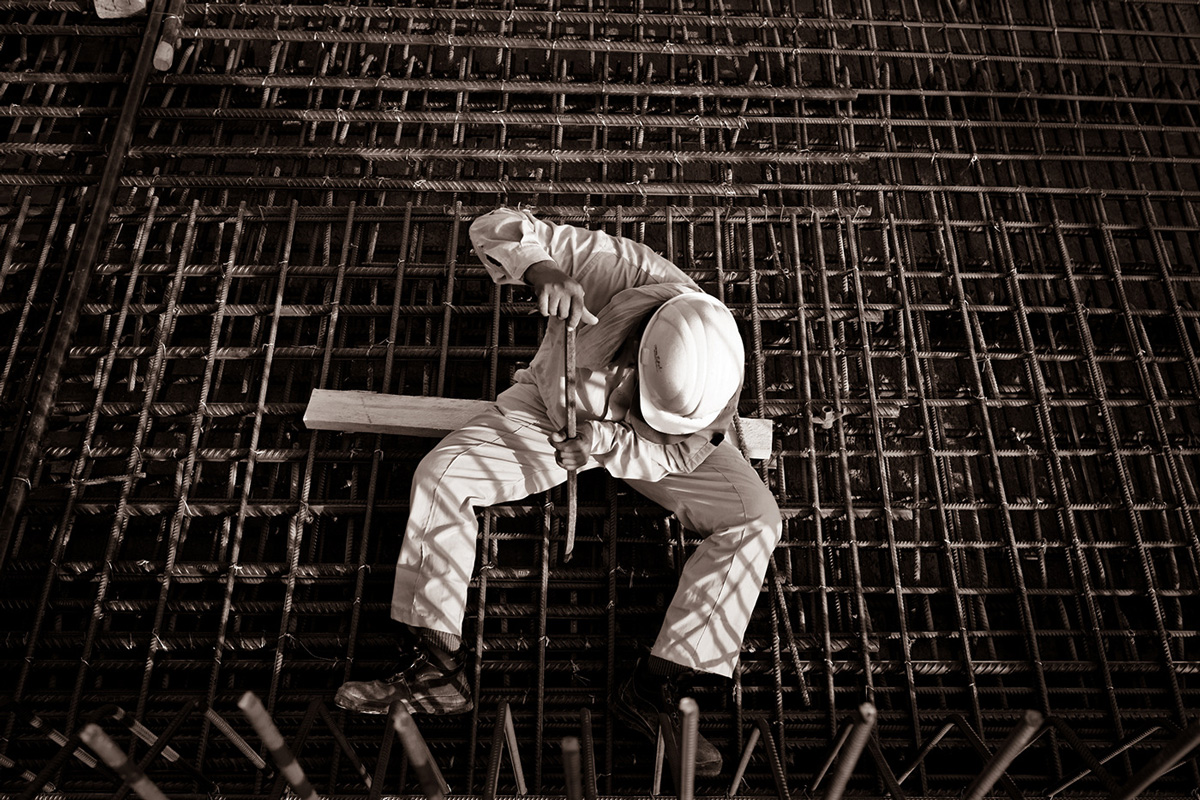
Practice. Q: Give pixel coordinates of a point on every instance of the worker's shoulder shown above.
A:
(503, 213)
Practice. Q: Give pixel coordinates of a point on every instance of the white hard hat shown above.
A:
(690, 363)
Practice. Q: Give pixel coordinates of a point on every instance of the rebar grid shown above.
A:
(961, 239)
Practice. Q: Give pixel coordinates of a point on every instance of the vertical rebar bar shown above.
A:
(68, 318)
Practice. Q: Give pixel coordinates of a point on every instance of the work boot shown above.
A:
(422, 684)
(639, 701)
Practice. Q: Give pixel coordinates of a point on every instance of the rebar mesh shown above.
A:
(961, 239)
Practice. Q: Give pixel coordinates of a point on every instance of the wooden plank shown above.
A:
(408, 415)
(758, 433)
(405, 415)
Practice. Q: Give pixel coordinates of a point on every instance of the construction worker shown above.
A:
(660, 369)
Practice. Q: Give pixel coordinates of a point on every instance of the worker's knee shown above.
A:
(766, 523)
(757, 525)
(431, 468)
(435, 474)
(455, 476)
(760, 509)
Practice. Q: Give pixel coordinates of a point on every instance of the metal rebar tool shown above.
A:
(572, 486)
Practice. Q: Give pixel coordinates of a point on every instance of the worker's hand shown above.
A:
(559, 295)
(573, 453)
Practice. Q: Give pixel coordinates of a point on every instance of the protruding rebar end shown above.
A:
(254, 710)
(110, 752)
(867, 715)
(689, 741)
(572, 769)
(1019, 738)
(250, 703)
(95, 737)
(418, 753)
(164, 56)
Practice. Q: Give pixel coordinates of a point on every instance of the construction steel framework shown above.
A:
(962, 239)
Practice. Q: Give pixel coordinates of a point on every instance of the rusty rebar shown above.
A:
(68, 319)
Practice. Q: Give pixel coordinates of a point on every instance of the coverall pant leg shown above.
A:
(498, 456)
(726, 502)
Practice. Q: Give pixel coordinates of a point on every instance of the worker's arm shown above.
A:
(565, 263)
(559, 295)
(624, 454)
(507, 243)
(510, 245)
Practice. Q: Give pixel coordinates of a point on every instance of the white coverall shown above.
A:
(505, 454)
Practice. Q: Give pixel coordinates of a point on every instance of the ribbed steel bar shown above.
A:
(663, 47)
(933, 432)
(51, 371)
(118, 528)
(888, 515)
(372, 478)
(509, 15)
(1080, 571)
(511, 86)
(837, 383)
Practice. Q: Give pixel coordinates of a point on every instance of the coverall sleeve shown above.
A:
(624, 454)
(507, 243)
